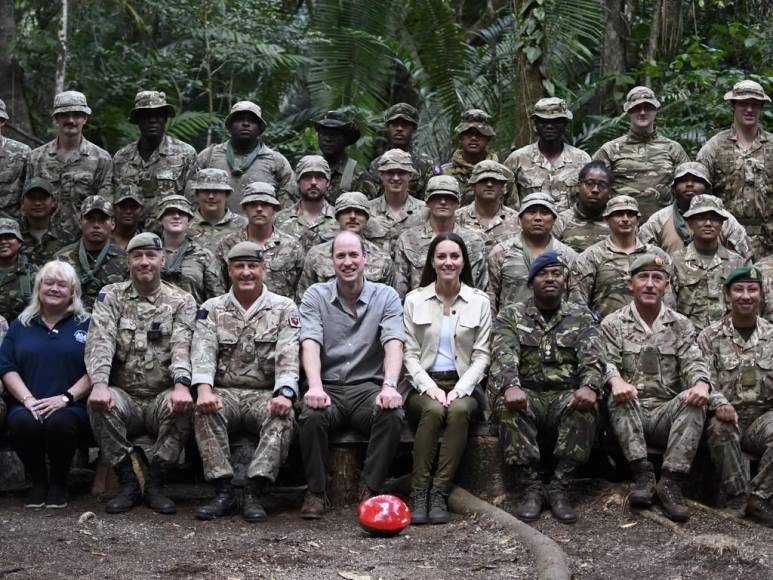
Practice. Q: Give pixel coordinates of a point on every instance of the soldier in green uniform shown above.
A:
(129, 213)
(213, 219)
(547, 371)
(583, 224)
(42, 236)
(14, 158)
(17, 274)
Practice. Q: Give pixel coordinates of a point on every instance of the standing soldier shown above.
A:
(129, 213)
(246, 158)
(550, 165)
(667, 228)
(213, 219)
(642, 161)
(16, 272)
(139, 343)
(765, 266)
(42, 237)
(14, 158)
(71, 163)
(659, 386)
(583, 224)
(159, 165)
(739, 349)
(97, 260)
(475, 132)
(547, 374)
(487, 214)
(312, 219)
(335, 132)
(700, 268)
(400, 123)
(245, 365)
(740, 163)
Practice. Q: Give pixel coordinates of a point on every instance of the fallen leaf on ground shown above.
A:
(353, 576)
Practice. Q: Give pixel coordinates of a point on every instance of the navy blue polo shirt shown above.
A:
(48, 361)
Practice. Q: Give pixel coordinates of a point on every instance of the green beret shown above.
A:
(743, 274)
(145, 241)
(245, 252)
(648, 262)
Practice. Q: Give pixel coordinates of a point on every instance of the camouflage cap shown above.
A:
(402, 111)
(70, 102)
(96, 203)
(339, 121)
(128, 191)
(545, 259)
(706, 204)
(178, 202)
(639, 95)
(150, 100)
(476, 119)
(3, 111)
(259, 191)
(621, 203)
(245, 252)
(692, 168)
(145, 241)
(489, 169)
(9, 226)
(743, 274)
(212, 179)
(745, 90)
(396, 160)
(552, 108)
(38, 183)
(538, 198)
(352, 200)
(442, 185)
(249, 107)
(312, 164)
(648, 263)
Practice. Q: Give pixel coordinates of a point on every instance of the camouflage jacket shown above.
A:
(384, 227)
(16, 288)
(3, 332)
(660, 231)
(208, 235)
(533, 172)
(256, 348)
(411, 254)
(643, 167)
(269, 166)
(765, 266)
(292, 222)
(113, 269)
(421, 163)
(698, 286)
(199, 273)
(563, 353)
(661, 362)
(318, 266)
(741, 371)
(360, 181)
(741, 177)
(166, 172)
(578, 231)
(502, 226)
(140, 344)
(284, 260)
(40, 252)
(508, 269)
(89, 172)
(14, 158)
(461, 170)
(599, 276)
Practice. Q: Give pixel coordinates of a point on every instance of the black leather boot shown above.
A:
(418, 505)
(252, 510)
(223, 504)
(129, 494)
(438, 506)
(669, 490)
(154, 487)
(558, 495)
(533, 499)
(643, 488)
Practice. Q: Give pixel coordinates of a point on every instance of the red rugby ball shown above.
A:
(383, 515)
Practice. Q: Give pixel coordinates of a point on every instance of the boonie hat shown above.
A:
(442, 185)
(639, 95)
(339, 121)
(9, 226)
(745, 90)
(552, 108)
(212, 179)
(352, 199)
(489, 169)
(248, 106)
(396, 159)
(312, 164)
(477, 119)
(70, 102)
(621, 203)
(259, 191)
(706, 204)
(150, 100)
(174, 201)
(692, 168)
(538, 198)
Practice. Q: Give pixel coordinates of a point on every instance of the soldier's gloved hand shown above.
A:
(438, 394)
(726, 413)
(389, 398)
(583, 398)
(622, 391)
(207, 402)
(279, 406)
(698, 395)
(100, 398)
(515, 398)
(180, 399)
(316, 398)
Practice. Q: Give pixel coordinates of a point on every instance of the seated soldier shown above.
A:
(739, 350)
(139, 343)
(659, 386)
(352, 352)
(245, 369)
(546, 376)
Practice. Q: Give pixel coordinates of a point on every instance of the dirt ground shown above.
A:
(608, 542)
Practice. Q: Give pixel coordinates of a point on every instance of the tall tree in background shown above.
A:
(12, 78)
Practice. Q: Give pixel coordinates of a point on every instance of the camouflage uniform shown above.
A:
(41, 251)
(549, 360)
(3, 332)
(95, 273)
(661, 362)
(15, 283)
(245, 356)
(504, 225)
(14, 158)
(765, 266)
(208, 235)
(384, 227)
(198, 272)
(140, 346)
(292, 222)
(411, 254)
(579, 231)
(360, 180)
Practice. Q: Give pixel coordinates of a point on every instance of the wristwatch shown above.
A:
(390, 383)
(183, 381)
(595, 388)
(68, 398)
(286, 392)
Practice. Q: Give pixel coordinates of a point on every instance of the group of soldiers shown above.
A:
(628, 287)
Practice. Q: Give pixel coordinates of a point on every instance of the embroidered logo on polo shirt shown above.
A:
(80, 336)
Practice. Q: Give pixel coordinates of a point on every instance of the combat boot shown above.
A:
(313, 506)
(736, 505)
(252, 510)
(154, 488)
(643, 488)
(669, 490)
(557, 493)
(438, 506)
(533, 499)
(760, 510)
(418, 503)
(223, 504)
(129, 493)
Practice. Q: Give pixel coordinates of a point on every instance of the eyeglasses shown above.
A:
(591, 183)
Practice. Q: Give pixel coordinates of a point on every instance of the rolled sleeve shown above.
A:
(311, 316)
(392, 320)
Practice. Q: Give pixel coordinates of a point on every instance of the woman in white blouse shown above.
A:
(448, 325)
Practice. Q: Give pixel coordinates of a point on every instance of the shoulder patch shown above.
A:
(294, 318)
(202, 314)
(101, 296)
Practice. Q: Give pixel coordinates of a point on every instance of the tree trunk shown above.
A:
(12, 78)
(528, 86)
(61, 61)
(652, 45)
(613, 50)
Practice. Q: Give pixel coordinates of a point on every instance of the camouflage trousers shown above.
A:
(675, 425)
(243, 410)
(726, 441)
(547, 415)
(131, 417)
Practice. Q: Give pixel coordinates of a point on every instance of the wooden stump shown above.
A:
(344, 481)
(11, 471)
(483, 471)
